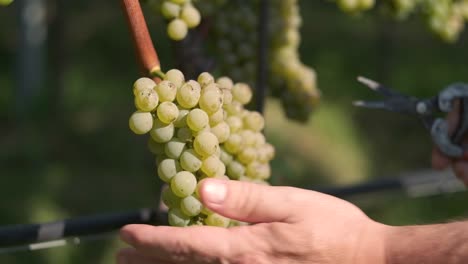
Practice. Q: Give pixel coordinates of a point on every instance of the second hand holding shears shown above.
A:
(426, 110)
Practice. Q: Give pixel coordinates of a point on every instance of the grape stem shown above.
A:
(146, 52)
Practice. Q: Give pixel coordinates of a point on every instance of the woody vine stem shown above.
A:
(146, 52)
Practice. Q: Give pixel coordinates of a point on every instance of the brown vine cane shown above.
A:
(145, 50)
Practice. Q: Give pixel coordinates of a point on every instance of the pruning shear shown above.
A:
(426, 110)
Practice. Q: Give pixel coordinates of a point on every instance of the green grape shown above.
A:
(161, 132)
(221, 131)
(210, 165)
(189, 94)
(184, 134)
(140, 122)
(235, 123)
(167, 112)
(211, 101)
(242, 93)
(225, 157)
(174, 148)
(177, 218)
(234, 144)
(190, 16)
(146, 100)
(176, 77)
(155, 147)
(213, 87)
(217, 220)
(183, 184)
(248, 138)
(206, 144)
(216, 117)
(235, 170)
(177, 29)
(167, 169)
(260, 140)
(181, 120)
(170, 10)
(169, 198)
(190, 161)
(227, 96)
(254, 121)
(234, 108)
(270, 150)
(197, 120)
(191, 206)
(143, 84)
(225, 83)
(205, 79)
(206, 211)
(264, 172)
(167, 91)
(247, 155)
(221, 172)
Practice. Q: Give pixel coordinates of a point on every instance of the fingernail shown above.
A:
(214, 191)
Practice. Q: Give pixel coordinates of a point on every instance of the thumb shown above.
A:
(247, 202)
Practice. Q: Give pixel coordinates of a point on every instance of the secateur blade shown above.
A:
(394, 101)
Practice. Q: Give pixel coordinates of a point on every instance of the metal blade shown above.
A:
(379, 88)
(371, 104)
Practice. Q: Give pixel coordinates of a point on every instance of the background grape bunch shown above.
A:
(446, 18)
(182, 15)
(200, 129)
(290, 80)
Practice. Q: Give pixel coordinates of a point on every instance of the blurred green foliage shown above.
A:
(73, 154)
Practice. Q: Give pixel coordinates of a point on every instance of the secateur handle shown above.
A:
(452, 145)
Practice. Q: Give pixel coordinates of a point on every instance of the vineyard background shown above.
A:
(67, 150)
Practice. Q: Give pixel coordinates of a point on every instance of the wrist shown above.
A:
(373, 247)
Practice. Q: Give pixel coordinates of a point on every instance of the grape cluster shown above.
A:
(301, 93)
(200, 129)
(238, 43)
(181, 14)
(291, 81)
(446, 18)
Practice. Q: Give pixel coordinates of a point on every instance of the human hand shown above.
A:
(440, 161)
(293, 226)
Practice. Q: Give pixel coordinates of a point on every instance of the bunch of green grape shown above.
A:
(237, 44)
(446, 18)
(291, 81)
(181, 14)
(200, 129)
(301, 94)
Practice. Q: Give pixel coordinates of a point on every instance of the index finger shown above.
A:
(190, 244)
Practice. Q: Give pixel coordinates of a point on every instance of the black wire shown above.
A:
(424, 184)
